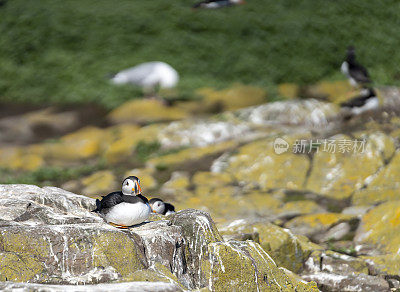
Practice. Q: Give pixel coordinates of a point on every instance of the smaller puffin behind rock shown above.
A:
(366, 101)
(160, 207)
(126, 208)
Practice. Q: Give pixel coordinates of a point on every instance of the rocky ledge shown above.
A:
(50, 239)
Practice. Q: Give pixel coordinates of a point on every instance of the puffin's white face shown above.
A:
(131, 187)
(158, 207)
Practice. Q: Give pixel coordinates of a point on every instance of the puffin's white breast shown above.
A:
(371, 104)
(128, 214)
(345, 68)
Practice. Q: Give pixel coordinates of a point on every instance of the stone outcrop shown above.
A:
(49, 236)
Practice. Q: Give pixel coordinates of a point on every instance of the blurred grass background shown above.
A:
(59, 52)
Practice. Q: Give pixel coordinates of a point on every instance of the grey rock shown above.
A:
(117, 287)
(49, 236)
(337, 232)
(356, 210)
(342, 283)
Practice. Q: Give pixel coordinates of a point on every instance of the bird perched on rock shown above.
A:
(158, 206)
(150, 76)
(125, 208)
(213, 4)
(366, 101)
(355, 72)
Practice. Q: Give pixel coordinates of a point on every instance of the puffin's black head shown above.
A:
(351, 53)
(157, 205)
(131, 186)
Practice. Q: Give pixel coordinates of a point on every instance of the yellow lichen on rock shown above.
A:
(107, 249)
(287, 250)
(338, 174)
(99, 183)
(288, 90)
(313, 223)
(334, 91)
(82, 144)
(257, 165)
(145, 111)
(124, 142)
(246, 266)
(22, 256)
(189, 155)
(235, 97)
(387, 264)
(19, 268)
(381, 227)
(301, 207)
(146, 175)
(385, 186)
(17, 158)
(211, 179)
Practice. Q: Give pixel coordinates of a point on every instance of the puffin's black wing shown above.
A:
(355, 102)
(169, 207)
(143, 198)
(359, 73)
(109, 201)
(198, 4)
(134, 199)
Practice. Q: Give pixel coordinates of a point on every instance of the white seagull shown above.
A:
(150, 76)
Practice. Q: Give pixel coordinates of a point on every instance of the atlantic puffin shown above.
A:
(212, 4)
(366, 101)
(160, 207)
(125, 208)
(355, 72)
(149, 76)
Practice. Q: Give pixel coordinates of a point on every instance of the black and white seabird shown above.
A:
(213, 4)
(125, 208)
(355, 72)
(160, 207)
(366, 101)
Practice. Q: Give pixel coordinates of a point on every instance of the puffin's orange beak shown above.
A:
(139, 190)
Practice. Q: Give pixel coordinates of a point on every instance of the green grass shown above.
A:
(54, 51)
(47, 175)
(144, 150)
